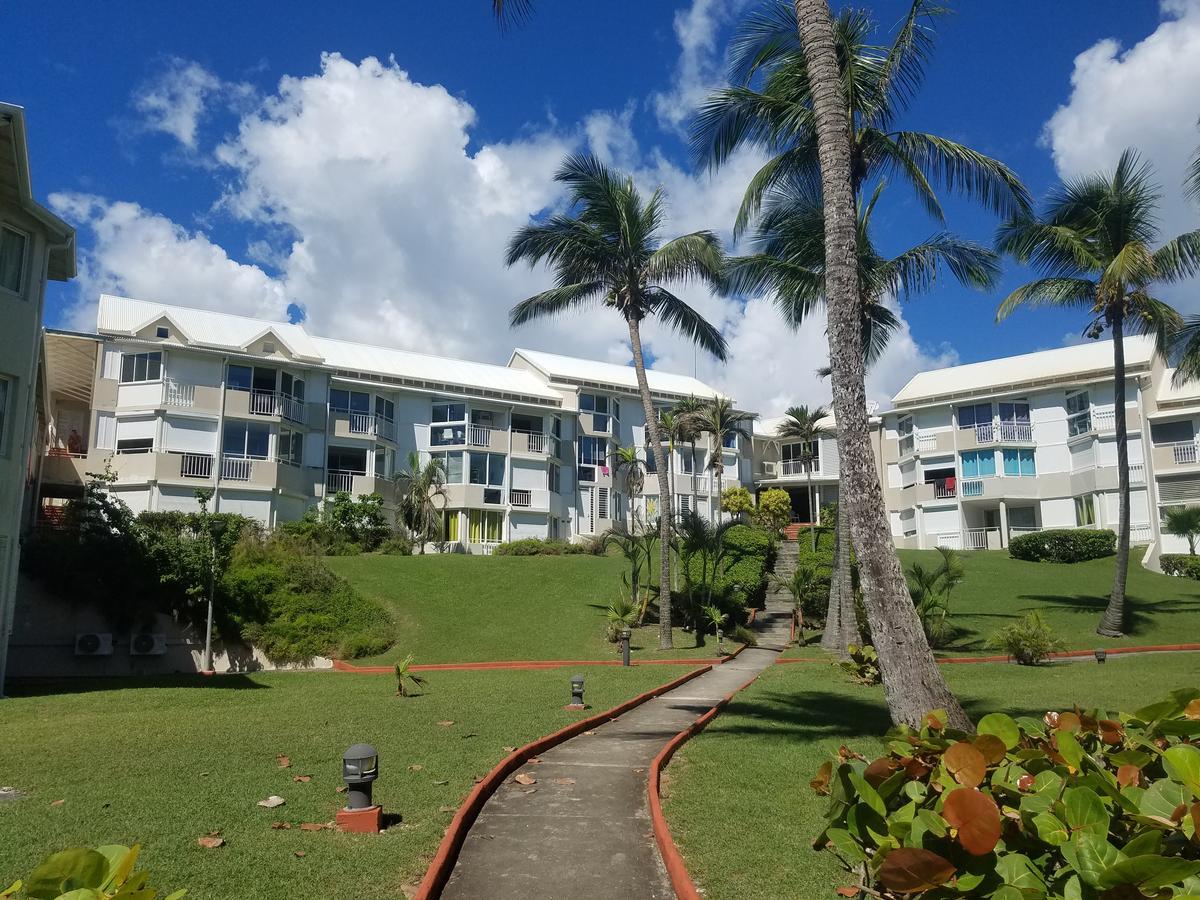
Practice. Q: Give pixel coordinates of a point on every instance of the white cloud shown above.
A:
(701, 65)
(1144, 97)
(176, 100)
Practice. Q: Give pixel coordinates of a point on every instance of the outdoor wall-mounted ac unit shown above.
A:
(93, 643)
(147, 644)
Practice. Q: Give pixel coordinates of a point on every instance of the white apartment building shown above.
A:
(808, 474)
(274, 420)
(35, 246)
(974, 455)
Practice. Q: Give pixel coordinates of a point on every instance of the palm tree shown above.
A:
(912, 683)
(1184, 522)
(629, 466)
(685, 410)
(608, 253)
(422, 497)
(719, 420)
(1091, 245)
(699, 539)
(880, 81)
(670, 427)
(806, 426)
(1191, 184)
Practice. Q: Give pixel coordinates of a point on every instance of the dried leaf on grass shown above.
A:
(284, 761)
(271, 802)
(281, 826)
(211, 841)
(303, 779)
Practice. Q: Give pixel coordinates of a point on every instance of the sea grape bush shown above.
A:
(1080, 805)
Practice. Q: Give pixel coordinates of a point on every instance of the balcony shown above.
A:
(534, 443)
(63, 467)
(1015, 433)
(985, 434)
(529, 499)
(1175, 455)
(455, 434)
(195, 465)
(797, 467)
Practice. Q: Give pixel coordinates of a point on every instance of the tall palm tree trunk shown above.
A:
(664, 489)
(841, 618)
(668, 508)
(1113, 623)
(912, 683)
(812, 519)
(720, 469)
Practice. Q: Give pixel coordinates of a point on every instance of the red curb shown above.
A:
(343, 666)
(681, 881)
(1066, 654)
(443, 862)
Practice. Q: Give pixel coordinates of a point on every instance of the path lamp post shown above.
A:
(625, 636)
(1101, 654)
(576, 693)
(360, 768)
(720, 641)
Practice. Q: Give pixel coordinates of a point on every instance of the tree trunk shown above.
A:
(841, 618)
(664, 489)
(912, 683)
(668, 509)
(812, 519)
(1113, 623)
(720, 469)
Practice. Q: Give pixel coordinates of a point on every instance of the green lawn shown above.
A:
(755, 760)
(460, 608)
(164, 762)
(998, 590)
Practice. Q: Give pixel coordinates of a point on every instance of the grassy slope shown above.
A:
(162, 763)
(757, 757)
(459, 608)
(999, 590)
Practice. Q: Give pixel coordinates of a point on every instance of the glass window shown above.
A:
(452, 466)
(1014, 413)
(1019, 462)
(616, 409)
(449, 412)
(135, 445)
(450, 526)
(555, 479)
(593, 451)
(12, 259)
(484, 525)
(976, 414)
(291, 447)
(978, 463)
(247, 439)
(360, 402)
(139, 367)
(486, 468)
(905, 425)
(291, 385)
(1079, 413)
(651, 465)
(1085, 511)
(686, 463)
(240, 378)
(384, 462)
(162, 331)
(730, 441)
(339, 400)
(556, 426)
(1172, 432)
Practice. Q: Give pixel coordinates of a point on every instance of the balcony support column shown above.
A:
(1003, 523)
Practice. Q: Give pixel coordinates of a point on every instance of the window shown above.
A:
(385, 409)
(349, 401)
(135, 445)
(685, 503)
(1014, 413)
(291, 385)
(597, 405)
(162, 331)
(805, 452)
(730, 441)
(452, 466)
(291, 447)
(347, 459)
(905, 426)
(486, 468)
(1079, 413)
(4, 392)
(138, 367)
(651, 463)
(976, 414)
(556, 426)
(979, 464)
(1172, 432)
(450, 526)
(555, 479)
(384, 462)
(12, 259)
(1085, 511)
(484, 525)
(449, 412)
(248, 440)
(1019, 462)
(268, 347)
(686, 462)
(240, 378)
(593, 451)
(616, 408)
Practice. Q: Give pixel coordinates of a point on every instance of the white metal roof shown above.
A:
(1168, 393)
(571, 368)
(769, 428)
(223, 331)
(1094, 358)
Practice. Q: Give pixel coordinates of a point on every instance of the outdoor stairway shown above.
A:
(584, 830)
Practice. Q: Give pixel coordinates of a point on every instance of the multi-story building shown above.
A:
(35, 246)
(274, 420)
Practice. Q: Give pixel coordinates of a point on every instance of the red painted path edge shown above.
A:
(1067, 654)
(343, 666)
(443, 862)
(681, 881)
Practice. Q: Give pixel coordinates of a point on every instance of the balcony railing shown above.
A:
(1018, 530)
(796, 467)
(1140, 533)
(195, 465)
(520, 498)
(479, 436)
(985, 432)
(1137, 473)
(264, 403)
(951, 540)
(179, 394)
(1183, 452)
(292, 408)
(1020, 432)
(536, 441)
(362, 423)
(977, 538)
(944, 489)
(339, 481)
(236, 468)
(972, 487)
(1104, 419)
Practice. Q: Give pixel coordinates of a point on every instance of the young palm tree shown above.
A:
(628, 465)
(1184, 522)
(912, 683)
(1092, 246)
(607, 253)
(422, 497)
(719, 420)
(685, 410)
(806, 426)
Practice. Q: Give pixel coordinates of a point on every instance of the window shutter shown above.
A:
(602, 503)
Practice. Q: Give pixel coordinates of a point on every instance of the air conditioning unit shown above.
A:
(93, 643)
(147, 644)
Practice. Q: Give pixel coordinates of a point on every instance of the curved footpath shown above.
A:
(583, 829)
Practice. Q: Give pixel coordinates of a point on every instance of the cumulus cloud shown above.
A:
(179, 97)
(701, 61)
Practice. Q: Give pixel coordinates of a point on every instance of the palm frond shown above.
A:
(555, 301)
(512, 12)
(680, 317)
(915, 270)
(878, 325)
(691, 256)
(795, 168)
(1191, 183)
(1077, 292)
(1178, 258)
(765, 36)
(1056, 249)
(1148, 315)
(1185, 350)
(966, 171)
(903, 69)
(884, 155)
(797, 290)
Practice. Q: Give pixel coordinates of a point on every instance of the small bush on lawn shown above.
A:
(861, 664)
(743, 634)
(1029, 641)
(1083, 804)
(1180, 564)
(1065, 545)
(552, 547)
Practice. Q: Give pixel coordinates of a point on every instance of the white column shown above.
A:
(1003, 523)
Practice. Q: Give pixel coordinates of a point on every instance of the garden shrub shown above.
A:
(343, 526)
(861, 664)
(1080, 805)
(1029, 641)
(773, 511)
(744, 634)
(547, 547)
(82, 873)
(1064, 545)
(397, 545)
(743, 577)
(1180, 564)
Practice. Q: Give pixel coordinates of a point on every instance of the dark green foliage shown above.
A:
(397, 545)
(1029, 641)
(82, 873)
(540, 547)
(820, 562)
(342, 527)
(1078, 804)
(861, 664)
(1180, 564)
(1064, 545)
(741, 579)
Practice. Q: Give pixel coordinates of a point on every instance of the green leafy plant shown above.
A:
(1079, 805)
(737, 502)
(861, 664)
(931, 590)
(1176, 564)
(405, 676)
(542, 547)
(773, 512)
(1029, 641)
(1184, 522)
(715, 617)
(1065, 545)
(622, 613)
(83, 873)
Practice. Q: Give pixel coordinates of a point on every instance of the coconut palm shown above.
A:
(422, 497)
(685, 410)
(1191, 185)
(912, 683)
(720, 420)
(770, 104)
(806, 426)
(628, 465)
(1184, 522)
(1092, 246)
(606, 252)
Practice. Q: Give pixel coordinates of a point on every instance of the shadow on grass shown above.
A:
(45, 687)
(1138, 613)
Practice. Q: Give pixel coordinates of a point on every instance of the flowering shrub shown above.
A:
(1077, 805)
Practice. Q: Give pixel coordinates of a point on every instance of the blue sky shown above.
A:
(210, 157)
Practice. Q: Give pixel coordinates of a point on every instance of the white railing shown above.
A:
(796, 467)
(1018, 530)
(195, 465)
(951, 540)
(1184, 452)
(1016, 431)
(926, 442)
(536, 441)
(178, 393)
(487, 548)
(236, 468)
(479, 436)
(1137, 473)
(264, 403)
(1140, 533)
(520, 497)
(292, 408)
(943, 490)
(385, 428)
(985, 433)
(362, 423)
(972, 488)
(1104, 419)
(340, 482)
(977, 538)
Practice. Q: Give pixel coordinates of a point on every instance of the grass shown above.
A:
(460, 608)
(999, 590)
(758, 756)
(162, 762)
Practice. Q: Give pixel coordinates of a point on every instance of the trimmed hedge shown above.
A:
(540, 547)
(1064, 545)
(1180, 564)
(743, 577)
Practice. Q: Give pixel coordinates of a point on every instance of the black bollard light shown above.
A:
(1101, 654)
(720, 642)
(625, 636)
(360, 767)
(576, 693)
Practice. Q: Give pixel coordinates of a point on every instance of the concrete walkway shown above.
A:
(583, 829)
